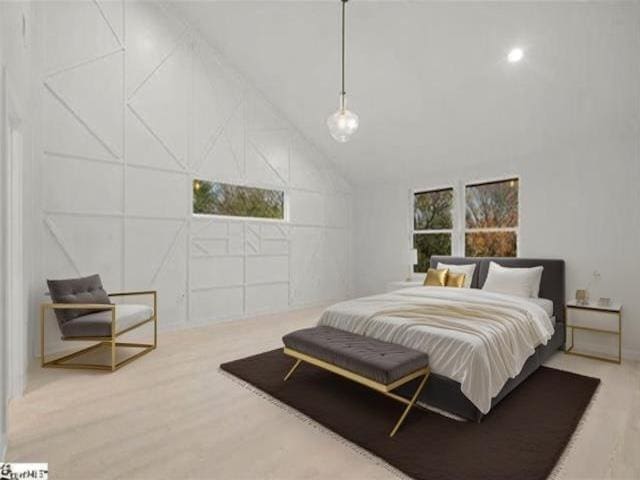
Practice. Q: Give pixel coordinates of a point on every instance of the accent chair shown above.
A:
(85, 313)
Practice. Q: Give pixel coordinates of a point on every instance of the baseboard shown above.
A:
(630, 354)
(18, 386)
(3, 447)
(60, 347)
(596, 349)
(627, 353)
(218, 320)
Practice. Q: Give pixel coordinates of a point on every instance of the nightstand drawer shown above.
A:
(591, 319)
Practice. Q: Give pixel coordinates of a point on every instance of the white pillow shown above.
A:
(523, 282)
(466, 269)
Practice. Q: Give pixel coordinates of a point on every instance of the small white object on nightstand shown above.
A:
(403, 284)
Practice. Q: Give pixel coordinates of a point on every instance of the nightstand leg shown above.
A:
(570, 347)
(619, 337)
(573, 334)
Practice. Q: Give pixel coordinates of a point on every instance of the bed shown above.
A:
(481, 345)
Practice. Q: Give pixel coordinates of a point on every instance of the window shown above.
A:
(212, 198)
(491, 219)
(432, 225)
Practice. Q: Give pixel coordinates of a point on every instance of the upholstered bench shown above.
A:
(379, 365)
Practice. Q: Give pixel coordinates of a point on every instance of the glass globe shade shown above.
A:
(343, 124)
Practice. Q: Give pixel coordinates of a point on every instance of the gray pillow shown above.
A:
(77, 290)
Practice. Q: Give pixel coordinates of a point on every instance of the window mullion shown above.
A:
(458, 240)
(427, 232)
(492, 229)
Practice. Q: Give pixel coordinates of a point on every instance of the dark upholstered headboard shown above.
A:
(551, 285)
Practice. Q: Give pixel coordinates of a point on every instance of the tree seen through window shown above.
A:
(213, 198)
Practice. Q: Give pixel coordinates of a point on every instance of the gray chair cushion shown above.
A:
(77, 290)
(382, 362)
(99, 324)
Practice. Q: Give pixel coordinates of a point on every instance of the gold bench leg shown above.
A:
(409, 405)
(295, 365)
(385, 389)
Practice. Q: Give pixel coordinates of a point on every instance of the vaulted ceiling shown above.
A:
(430, 80)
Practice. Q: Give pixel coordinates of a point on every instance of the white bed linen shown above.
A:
(481, 344)
(545, 303)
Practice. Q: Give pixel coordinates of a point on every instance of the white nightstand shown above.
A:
(403, 284)
(595, 318)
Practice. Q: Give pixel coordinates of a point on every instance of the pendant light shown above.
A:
(343, 123)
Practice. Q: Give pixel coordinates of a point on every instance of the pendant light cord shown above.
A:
(343, 123)
(344, 3)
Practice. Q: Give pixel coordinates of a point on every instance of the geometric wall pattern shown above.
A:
(135, 105)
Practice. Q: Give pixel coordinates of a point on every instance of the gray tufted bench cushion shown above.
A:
(382, 362)
(379, 365)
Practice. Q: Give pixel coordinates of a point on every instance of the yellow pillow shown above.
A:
(455, 280)
(435, 277)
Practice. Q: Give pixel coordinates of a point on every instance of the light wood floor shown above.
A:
(172, 414)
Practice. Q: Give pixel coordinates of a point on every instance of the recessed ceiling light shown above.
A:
(515, 55)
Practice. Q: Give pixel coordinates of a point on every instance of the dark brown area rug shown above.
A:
(522, 438)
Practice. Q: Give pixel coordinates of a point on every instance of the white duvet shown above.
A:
(477, 338)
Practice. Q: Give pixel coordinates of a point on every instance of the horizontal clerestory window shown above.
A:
(214, 198)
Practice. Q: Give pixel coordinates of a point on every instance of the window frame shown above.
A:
(450, 231)
(463, 213)
(458, 212)
(217, 216)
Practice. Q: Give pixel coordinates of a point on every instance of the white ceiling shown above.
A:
(430, 80)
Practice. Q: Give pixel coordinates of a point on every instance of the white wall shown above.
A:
(3, 319)
(447, 94)
(566, 120)
(578, 202)
(16, 57)
(135, 105)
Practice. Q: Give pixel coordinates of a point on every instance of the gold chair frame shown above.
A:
(367, 382)
(110, 341)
